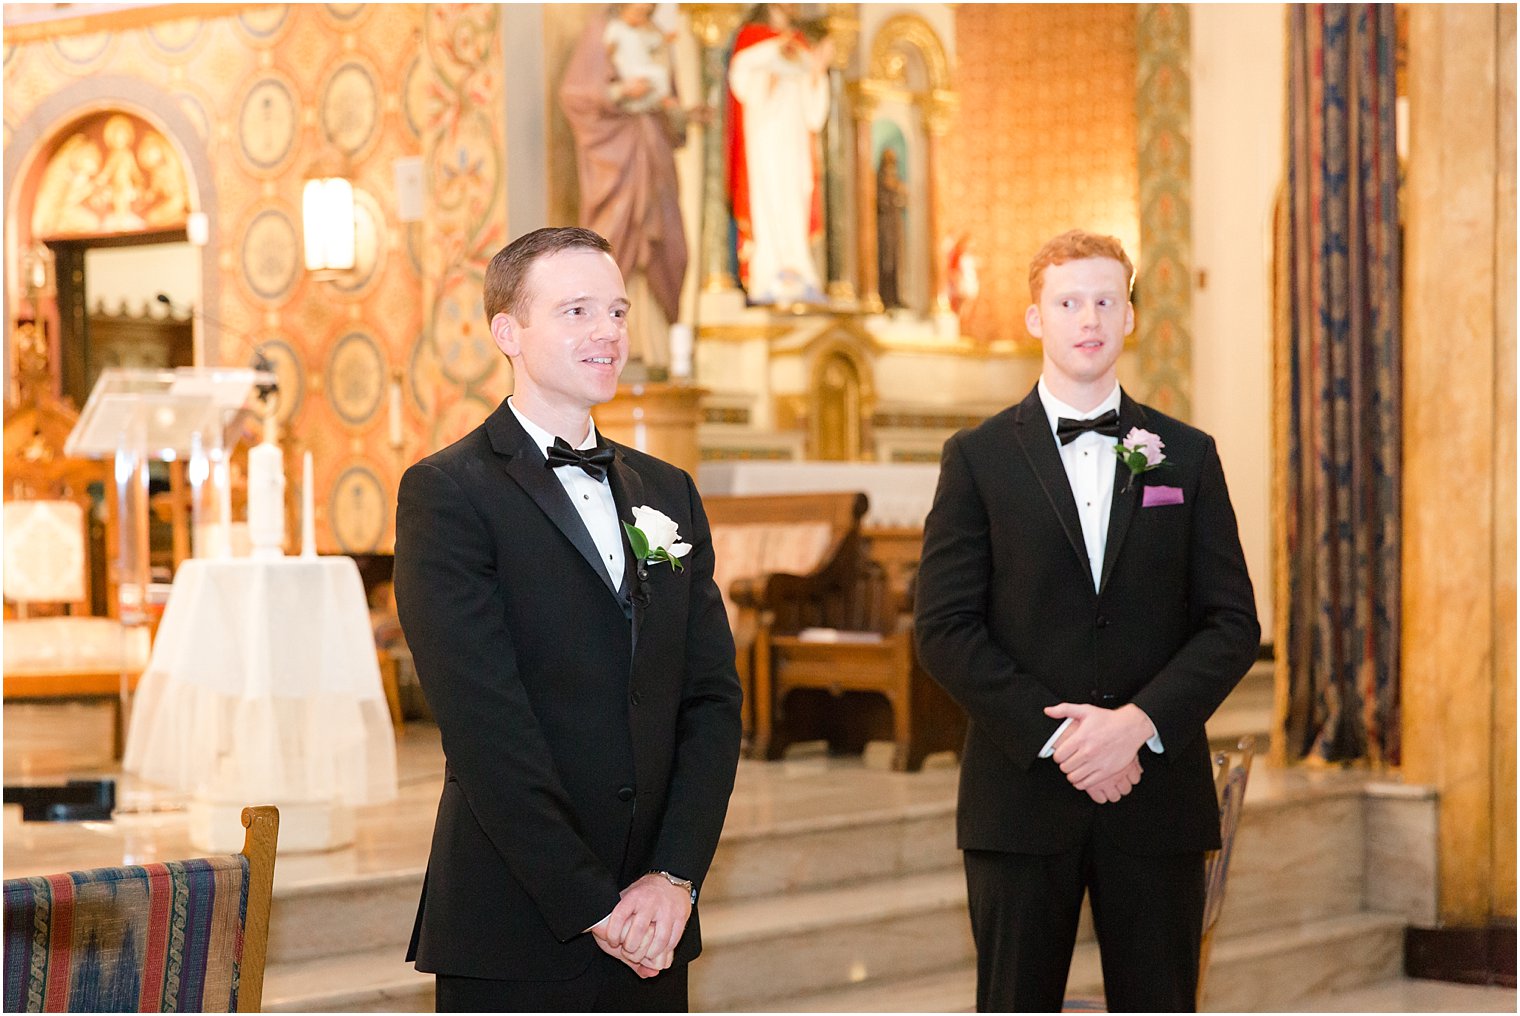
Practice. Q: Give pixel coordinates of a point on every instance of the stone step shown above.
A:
(376, 980)
(788, 857)
(1272, 971)
(336, 917)
(755, 951)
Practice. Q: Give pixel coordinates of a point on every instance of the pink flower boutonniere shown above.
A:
(1141, 452)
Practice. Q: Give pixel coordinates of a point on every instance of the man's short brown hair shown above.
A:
(1074, 245)
(506, 285)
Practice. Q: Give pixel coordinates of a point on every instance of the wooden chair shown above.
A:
(61, 638)
(1232, 771)
(791, 559)
(176, 936)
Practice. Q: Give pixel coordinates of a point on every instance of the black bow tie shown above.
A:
(1069, 430)
(594, 461)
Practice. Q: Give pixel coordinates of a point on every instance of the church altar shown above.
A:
(264, 688)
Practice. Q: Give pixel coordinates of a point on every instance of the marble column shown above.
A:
(938, 108)
(839, 211)
(1458, 674)
(864, 99)
(714, 26)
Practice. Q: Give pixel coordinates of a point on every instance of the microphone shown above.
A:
(261, 361)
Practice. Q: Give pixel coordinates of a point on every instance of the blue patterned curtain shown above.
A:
(1342, 383)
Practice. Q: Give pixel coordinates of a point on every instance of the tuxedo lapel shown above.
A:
(1122, 509)
(1033, 429)
(526, 465)
(628, 491)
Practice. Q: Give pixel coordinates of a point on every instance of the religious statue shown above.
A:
(891, 200)
(619, 95)
(961, 279)
(779, 101)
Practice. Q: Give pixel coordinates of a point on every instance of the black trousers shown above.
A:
(607, 985)
(1147, 913)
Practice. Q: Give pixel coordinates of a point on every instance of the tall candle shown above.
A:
(308, 516)
(266, 495)
(680, 350)
(224, 506)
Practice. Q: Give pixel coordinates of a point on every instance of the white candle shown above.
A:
(224, 506)
(308, 515)
(681, 343)
(266, 500)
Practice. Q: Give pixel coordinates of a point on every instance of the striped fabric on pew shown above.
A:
(149, 938)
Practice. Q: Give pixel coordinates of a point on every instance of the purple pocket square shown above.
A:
(1157, 495)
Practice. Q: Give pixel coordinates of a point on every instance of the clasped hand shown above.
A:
(645, 926)
(1100, 751)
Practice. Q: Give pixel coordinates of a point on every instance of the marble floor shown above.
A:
(810, 790)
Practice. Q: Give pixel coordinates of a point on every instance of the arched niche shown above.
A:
(841, 399)
(84, 109)
(903, 105)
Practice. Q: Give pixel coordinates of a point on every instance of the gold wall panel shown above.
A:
(1045, 141)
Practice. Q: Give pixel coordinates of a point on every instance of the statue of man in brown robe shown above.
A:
(627, 124)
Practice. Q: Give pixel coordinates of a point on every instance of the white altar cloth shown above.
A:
(264, 688)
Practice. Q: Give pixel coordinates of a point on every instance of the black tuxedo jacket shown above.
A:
(591, 734)
(1007, 619)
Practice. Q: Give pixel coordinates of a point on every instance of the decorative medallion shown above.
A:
(271, 255)
(457, 419)
(82, 52)
(369, 246)
(422, 374)
(350, 107)
(176, 41)
(267, 123)
(414, 97)
(291, 375)
(466, 352)
(355, 380)
(263, 24)
(357, 510)
(345, 13)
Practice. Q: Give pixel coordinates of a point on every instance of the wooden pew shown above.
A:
(824, 642)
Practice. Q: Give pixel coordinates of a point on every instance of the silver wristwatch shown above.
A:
(684, 883)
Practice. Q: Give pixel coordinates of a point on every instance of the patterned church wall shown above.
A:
(267, 90)
(1045, 140)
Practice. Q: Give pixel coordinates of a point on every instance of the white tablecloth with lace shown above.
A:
(264, 687)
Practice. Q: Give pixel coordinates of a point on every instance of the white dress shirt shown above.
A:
(1090, 462)
(592, 498)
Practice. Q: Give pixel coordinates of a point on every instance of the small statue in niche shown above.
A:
(891, 202)
(961, 278)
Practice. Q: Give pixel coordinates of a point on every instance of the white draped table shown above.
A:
(264, 688)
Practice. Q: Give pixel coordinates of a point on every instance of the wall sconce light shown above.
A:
(327, 218)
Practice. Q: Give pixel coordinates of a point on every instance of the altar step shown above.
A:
(1300, 964)
(1247, 711)
(840, 889)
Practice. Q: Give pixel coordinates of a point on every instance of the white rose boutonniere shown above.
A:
(654, 537)
(1141, 452)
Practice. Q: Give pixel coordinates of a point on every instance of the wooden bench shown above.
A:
(824, 648)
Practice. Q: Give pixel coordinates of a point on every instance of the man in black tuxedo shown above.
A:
(1089, 619)
(587, 699)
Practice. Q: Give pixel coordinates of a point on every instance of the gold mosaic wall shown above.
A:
(1045, 140)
